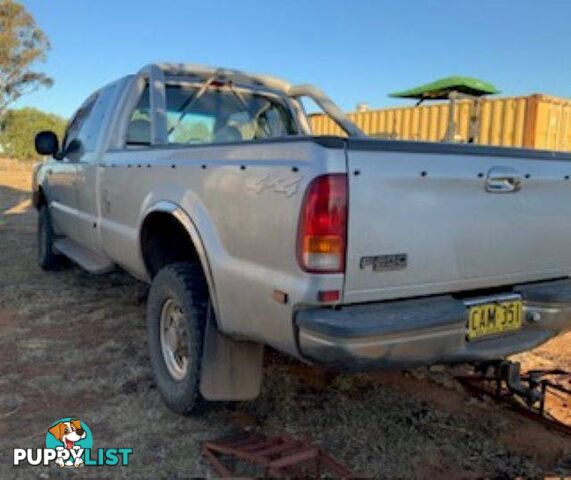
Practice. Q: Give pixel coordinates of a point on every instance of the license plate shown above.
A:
(492, 318)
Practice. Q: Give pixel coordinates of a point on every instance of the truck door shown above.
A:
(86, 185)
(62, 175)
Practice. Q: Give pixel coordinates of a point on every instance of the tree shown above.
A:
(18, 130)
(21, 44)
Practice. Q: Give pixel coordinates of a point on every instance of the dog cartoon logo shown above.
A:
(69, 443)
(69, 434)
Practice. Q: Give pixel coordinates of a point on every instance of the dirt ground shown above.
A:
(72, 344)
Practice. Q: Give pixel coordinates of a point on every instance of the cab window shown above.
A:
(87, 122)
(77, 122)
(219, 115)
(93, 125)
(139, 130)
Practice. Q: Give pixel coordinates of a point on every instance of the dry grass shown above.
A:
(72, 344)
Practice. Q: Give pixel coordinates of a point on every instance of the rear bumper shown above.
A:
(424, 331)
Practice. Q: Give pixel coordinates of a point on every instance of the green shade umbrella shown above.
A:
(440, 89)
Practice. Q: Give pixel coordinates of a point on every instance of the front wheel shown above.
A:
(177, 310)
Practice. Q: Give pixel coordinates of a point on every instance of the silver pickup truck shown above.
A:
(349, 252)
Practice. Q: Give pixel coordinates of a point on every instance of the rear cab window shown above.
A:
(218, 115)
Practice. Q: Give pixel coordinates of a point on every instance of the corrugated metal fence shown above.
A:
(536, 121)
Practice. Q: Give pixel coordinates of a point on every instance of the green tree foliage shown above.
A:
(18, 130)
(21, 44)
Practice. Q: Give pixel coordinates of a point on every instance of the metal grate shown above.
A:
(276, 456)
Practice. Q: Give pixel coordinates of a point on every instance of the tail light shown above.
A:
(322, 235)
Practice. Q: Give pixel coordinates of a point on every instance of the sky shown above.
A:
(355, 50)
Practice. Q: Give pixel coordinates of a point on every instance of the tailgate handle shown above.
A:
(503, 180)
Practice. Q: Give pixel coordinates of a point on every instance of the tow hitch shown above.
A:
(510, 373)
(526, 393)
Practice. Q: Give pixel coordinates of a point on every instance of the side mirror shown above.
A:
(47, 143)
(73, 151)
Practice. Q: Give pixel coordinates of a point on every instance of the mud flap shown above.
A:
(231, 369)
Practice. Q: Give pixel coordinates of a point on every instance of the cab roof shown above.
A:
(204, 72)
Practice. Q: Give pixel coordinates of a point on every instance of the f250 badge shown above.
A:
(394, 261)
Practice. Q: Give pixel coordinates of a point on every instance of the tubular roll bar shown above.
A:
(328, 106)
(155, 75)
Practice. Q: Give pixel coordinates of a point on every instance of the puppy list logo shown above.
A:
(69, 443)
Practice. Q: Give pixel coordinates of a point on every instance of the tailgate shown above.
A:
(425, 222)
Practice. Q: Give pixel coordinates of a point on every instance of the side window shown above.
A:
(91, 128)
(193, 128)
(77, 122)
(219, 115)
(195, 125)
(222, 115)
(139, 130)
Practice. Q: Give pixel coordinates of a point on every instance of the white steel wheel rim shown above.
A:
(174, 339)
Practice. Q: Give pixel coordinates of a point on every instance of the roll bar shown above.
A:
(328, 106)
(155, 75)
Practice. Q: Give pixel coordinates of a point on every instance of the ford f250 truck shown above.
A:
(349, 252)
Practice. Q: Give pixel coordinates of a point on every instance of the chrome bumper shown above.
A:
(408, 333)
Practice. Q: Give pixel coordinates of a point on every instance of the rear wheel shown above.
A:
(47, 258)
(177, 310)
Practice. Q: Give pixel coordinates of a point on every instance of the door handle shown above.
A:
(503, 180)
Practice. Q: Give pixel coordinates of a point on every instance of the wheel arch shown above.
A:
(39, 197)
(172, 215)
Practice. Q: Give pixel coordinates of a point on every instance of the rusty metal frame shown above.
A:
(277, 456)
